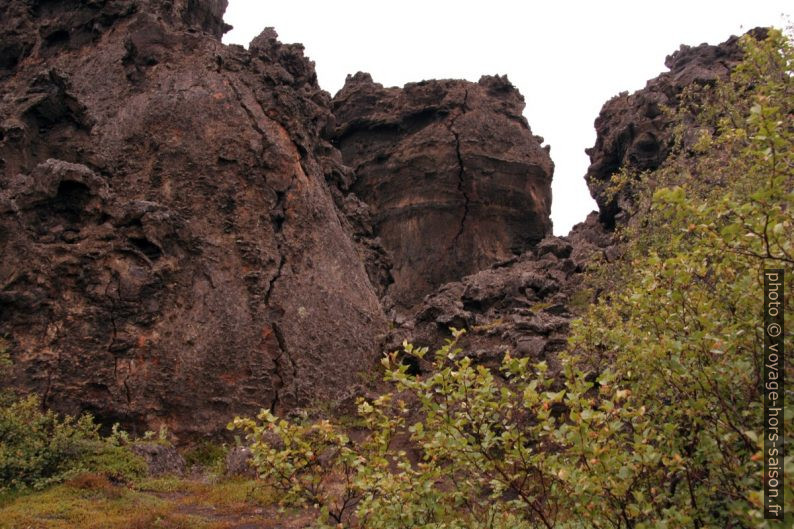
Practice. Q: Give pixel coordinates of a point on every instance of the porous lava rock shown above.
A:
(454, 177)
(523, 305)
(191, 231)
(634, 131)
(176, 248)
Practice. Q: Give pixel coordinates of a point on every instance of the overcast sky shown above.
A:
(566, 58)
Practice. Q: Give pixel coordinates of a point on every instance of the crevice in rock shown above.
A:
(125, 383)
(114, 303)
(276, 277)
(278, 218)
(149, 249)
(461, 173)
(251, 117)
(112, 317)
(283, 352)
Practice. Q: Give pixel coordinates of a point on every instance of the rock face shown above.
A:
(633, 130)
(523, 305)
(172, 251)
(455, 179)
(191, 231)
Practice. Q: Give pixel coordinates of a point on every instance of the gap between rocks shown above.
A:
(461, 172)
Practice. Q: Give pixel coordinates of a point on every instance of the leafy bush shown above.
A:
(683, 334)
(656, 419)
(486, 441)
(114, 461)
(37, 447)
(304, 462)
(208, 455)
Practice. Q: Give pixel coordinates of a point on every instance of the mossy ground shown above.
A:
(92, 502)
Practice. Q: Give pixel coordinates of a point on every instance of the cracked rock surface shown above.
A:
(523, 305)
(454, 177)
(172, 251)
(191, 231)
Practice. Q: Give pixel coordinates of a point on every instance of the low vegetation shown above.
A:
(59, 472)
(92, 501)
(38, 448)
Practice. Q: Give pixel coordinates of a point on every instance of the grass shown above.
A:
(92, 506)
(167, 485)
(91, 501)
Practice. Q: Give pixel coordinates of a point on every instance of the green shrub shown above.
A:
(681, 337)
(116, 462)
(37, 447)
(206, 454)
(486, 443)
(304, 462)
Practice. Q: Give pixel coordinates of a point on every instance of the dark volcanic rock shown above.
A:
(238, 462)
(633, 130)
(182, 242)
(172, 252)
(160, 459)
(455, 179)
(523, 305)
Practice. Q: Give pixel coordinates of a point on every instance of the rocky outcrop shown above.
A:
(161, 459)
(172, 251)
(523, 305)
(191, 231)
(634, 131)
(454, 177)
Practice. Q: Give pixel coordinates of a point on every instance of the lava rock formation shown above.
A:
(633, 131)
(172, 252)
(455, 179)
(191, 231)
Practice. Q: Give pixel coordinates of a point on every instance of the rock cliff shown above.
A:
(633, 131)
(453, 174)
(172, 252)
(524, 304)
(191, 231)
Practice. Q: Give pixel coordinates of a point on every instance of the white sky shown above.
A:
(567, 58)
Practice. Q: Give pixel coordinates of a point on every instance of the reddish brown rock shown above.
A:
(181, 242)
(633, 130)
(454, 177)
(172, 252)
(523, 305)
